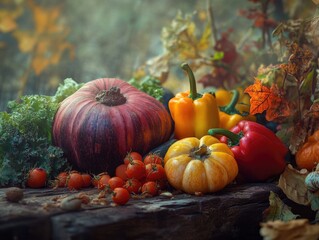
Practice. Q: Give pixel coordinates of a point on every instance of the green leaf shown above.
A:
(278, 210)
(149, 85)
(218, 56)
(307, 83)
(25, 136)
(66, 89)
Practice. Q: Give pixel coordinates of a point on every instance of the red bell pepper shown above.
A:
(259, 153)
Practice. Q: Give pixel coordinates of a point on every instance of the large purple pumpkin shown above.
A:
(104, 120)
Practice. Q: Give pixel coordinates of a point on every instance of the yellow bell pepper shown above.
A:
(193, 113)
(233, 107)
(224, 97)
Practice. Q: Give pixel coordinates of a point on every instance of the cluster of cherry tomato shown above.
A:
(135, 176)
(141, 176)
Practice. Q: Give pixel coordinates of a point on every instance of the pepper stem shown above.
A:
(230, 108)
(192, 83)
(233, 137)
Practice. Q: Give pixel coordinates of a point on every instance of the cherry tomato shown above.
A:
(153, 158)
(37, 178)
(155, 172)
(103, 181)
(150, 188)
(136, 169)
(133, 185)
(120, 171)
(116, 182)
(87, 180)
(74, 181)
(120, 196)
(61, 179)
(132, 156)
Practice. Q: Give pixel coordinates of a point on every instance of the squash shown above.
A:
(200, 165)
(308, 155)
(105, 119)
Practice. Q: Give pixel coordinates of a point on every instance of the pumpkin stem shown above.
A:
(111, 97)
(200, 152)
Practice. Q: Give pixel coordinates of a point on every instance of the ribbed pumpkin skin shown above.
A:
(96, 137)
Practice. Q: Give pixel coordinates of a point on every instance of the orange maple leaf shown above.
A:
(267, 99)
(260, 97)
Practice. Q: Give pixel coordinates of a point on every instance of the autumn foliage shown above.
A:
(268, 99)
(44, 44)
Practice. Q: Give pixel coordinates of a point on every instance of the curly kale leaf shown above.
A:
(21, 152)
(149, 85)
(26, 136)
(66, 89)
(32, 114)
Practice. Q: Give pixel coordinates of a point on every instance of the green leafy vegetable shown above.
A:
(149, 85)
(25, 136)
(66, 89)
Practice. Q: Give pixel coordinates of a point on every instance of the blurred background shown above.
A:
(43, 42)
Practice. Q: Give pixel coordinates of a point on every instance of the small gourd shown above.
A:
(308, 155)
(200, 165)
(312, 180)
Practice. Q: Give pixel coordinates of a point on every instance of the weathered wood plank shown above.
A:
(234, 213)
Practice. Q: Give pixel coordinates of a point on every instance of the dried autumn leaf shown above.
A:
(270, 74)
(205, 40)
(299, 62)
(260, 97)
(279, 107)
(278, 110)
(313, 31)
(267, 99)
(159, 67)
(180, 38)
(278, 210)
(8, 19)
(314, 110)
(292, 183)
(295, 229)
(46, 43)
(301, 131)
(26, 40)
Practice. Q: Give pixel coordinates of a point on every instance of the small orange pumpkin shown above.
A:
(308, 155)
(200, 165)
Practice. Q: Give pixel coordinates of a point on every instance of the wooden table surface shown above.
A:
(233, 213)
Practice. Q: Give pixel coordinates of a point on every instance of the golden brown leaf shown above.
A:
(299, 62)
(47, 42)
(279, 107)
(292, 183)
(295, 229)
(159, 67)
(8, 19)
(26, 40)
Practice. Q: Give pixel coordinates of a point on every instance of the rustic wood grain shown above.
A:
(234, 213)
